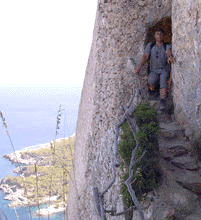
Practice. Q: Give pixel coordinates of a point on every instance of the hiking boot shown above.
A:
(162, 104)
(153, 94)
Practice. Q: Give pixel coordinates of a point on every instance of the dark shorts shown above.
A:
(161, 76)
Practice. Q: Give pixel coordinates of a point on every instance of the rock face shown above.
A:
(186, 28)
(120, 33)
(177, 196)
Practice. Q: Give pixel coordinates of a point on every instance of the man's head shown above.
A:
(159, 34)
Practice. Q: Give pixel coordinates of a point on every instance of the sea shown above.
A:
(31, 113)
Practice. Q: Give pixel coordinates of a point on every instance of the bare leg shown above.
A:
(163, 93)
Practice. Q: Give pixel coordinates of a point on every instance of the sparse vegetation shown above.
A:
(147, 172)
(49, 175)
(45, 170)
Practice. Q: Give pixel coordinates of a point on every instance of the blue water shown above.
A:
(23, 212)
(30, 113)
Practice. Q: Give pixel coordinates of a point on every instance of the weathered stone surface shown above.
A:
(186, 28)
(196, 215)
(170, 130)
(185, 162)
(154, 103)
(119, 34)
(173, 149)
(173, 196)
(171, 199)
(194, 187)
(187, 177)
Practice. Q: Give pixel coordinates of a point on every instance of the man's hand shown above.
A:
(143, 60)
(136, 71)
(171, 60)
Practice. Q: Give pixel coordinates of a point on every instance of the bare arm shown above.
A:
(143, 60)
(171, 59)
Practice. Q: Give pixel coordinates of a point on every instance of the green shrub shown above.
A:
(146, 171)
(127, 143)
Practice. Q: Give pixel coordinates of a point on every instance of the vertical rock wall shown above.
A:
(120, 32)
(186, 29)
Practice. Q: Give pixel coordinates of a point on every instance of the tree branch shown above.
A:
(129, 111)
(130, 178)
(99, 197)
(134, 129)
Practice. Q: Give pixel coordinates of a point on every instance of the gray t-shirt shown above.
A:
(158, 57)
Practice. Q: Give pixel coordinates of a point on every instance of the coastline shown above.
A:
(50, 210)
(16, 157)
(17, 193)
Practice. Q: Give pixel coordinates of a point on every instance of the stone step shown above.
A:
(170, 131)
(196, 215)
(188, 179)
(164, 117)
(173, 148)
(179, 153)
(185, 162)
(154, 103)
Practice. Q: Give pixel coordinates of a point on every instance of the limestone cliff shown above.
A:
(121, 29)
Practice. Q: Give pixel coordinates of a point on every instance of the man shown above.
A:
(159, 55)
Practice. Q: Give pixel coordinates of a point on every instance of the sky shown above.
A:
(45, 42)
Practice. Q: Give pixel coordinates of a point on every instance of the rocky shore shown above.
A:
(50, 210)
(18, 157)
(17, 192)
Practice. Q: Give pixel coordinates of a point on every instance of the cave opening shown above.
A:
(164, 23)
